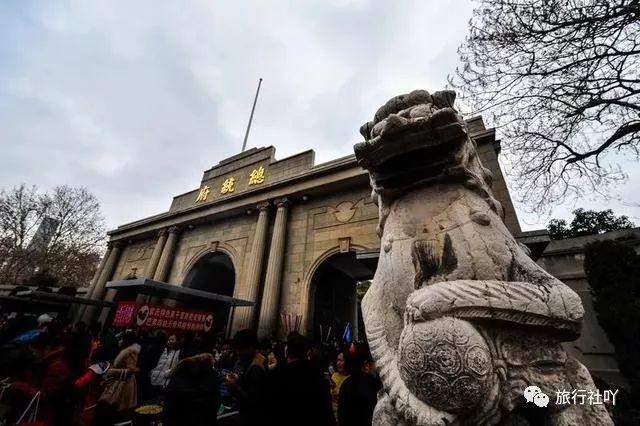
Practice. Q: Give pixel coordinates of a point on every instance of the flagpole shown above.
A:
(253, 108)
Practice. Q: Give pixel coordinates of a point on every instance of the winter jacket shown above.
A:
(160, 374)
(55, 386)
(192, 397)
(299, 395)
(357, 399)
(127, 359)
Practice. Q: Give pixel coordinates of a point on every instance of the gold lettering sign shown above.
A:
(204, 192)
(227, 186)
(256, 176)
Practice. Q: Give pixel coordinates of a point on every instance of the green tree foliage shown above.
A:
(560, 78)
(588, 222)
(361, 288)
(613, 272)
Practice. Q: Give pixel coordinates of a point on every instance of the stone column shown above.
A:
(271, 294)
(245, 315)
(106, 275)
(155, 259)
(155, 256)
(92, 285)
(166, 259)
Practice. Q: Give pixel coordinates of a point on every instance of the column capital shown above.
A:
(174, 230)
(282, 202)
(263, 206)
(162, 232)
(115, 244)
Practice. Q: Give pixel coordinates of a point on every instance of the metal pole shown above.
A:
(253, 108)
(230, 324)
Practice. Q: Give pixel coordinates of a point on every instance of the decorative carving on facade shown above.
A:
(194, 252)
(282, 202)
(459, 319)
(263, 206)
(115, 244)
(132, 275)
(345, 211)
(140, 252)
(344, 244)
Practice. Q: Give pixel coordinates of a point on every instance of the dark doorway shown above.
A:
(213, 273)
(338, 286)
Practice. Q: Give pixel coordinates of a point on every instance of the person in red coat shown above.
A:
(51, 376)
(88, 386)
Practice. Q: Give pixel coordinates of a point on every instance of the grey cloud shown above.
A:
(135, 99)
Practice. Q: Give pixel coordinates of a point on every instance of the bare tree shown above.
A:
(61, 232)
(561, 78)
(20, 214)
(77, 213)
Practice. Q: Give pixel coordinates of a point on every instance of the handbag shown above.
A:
(113, 388)
(31, 420)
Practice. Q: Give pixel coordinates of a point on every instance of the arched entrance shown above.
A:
(337, 287)
(213, 272)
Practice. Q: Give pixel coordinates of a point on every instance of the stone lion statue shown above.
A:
(460, 320)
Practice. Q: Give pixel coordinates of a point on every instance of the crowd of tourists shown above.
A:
(56, 374)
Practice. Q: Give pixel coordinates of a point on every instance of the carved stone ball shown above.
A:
(446, 363)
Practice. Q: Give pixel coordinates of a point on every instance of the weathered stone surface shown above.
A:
(459, 319)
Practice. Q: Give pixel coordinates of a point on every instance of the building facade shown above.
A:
(292, 236)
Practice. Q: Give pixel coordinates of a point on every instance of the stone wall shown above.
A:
(134, 258)
(565, 260)
(330, 210)
(317, 229)
(240, 168)
(488, 150)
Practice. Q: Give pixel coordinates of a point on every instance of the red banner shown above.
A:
(161, 316)
(124, 315)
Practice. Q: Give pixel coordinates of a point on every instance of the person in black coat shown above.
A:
(359, 392)
(300, 394)
(192, 397)
(249, 388)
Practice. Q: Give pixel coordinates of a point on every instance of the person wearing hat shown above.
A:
(43, 326)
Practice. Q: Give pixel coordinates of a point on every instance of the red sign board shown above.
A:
(124, 314)
(160, 316)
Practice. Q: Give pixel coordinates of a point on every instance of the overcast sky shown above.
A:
(134, 99)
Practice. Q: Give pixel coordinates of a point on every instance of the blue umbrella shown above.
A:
(27, 337)
(347, 336)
